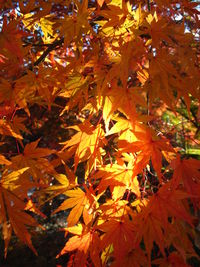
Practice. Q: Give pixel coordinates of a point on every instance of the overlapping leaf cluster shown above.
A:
(117, 66)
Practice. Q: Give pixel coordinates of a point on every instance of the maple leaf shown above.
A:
(3, 160)
(125, 129)
(84, 242)
(119, 178)
(81, 203)
(186, 172)
(33, 158)
(30, 206)
(47, 26)
(114, 209)
(11, 40)
(18, 125)
(13, 217)
(75, 83)
(75, 25)
(120, 20)
(181, 236)
(8, 107)
(87, 141)
(32, 151)
(149, 146)
(174, 259)
(6, 129)
(120, 234)
(62, 187)
(175, 205)
(100, 2)
(102, 66)
(121, 99)
(153, 221)
(151, 229)
(134, 255)
(28, 7)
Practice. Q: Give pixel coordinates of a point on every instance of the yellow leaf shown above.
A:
(77, 200)
(100, 2)
(87, 141)
(7, 180)
(46, 26)
(6, 129)
(4, 161)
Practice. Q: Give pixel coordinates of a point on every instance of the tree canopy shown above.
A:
(99, 104)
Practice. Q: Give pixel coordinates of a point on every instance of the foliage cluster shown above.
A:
(99, 104)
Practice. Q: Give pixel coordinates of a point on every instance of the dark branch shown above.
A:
(149, 5)
(47, 51)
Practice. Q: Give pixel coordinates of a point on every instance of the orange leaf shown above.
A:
(79, 202)
(31, 150)
(119, 233)
(100, 2)
(3, 160)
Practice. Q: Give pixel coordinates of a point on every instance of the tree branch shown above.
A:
(46, 52)
(149, 5)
